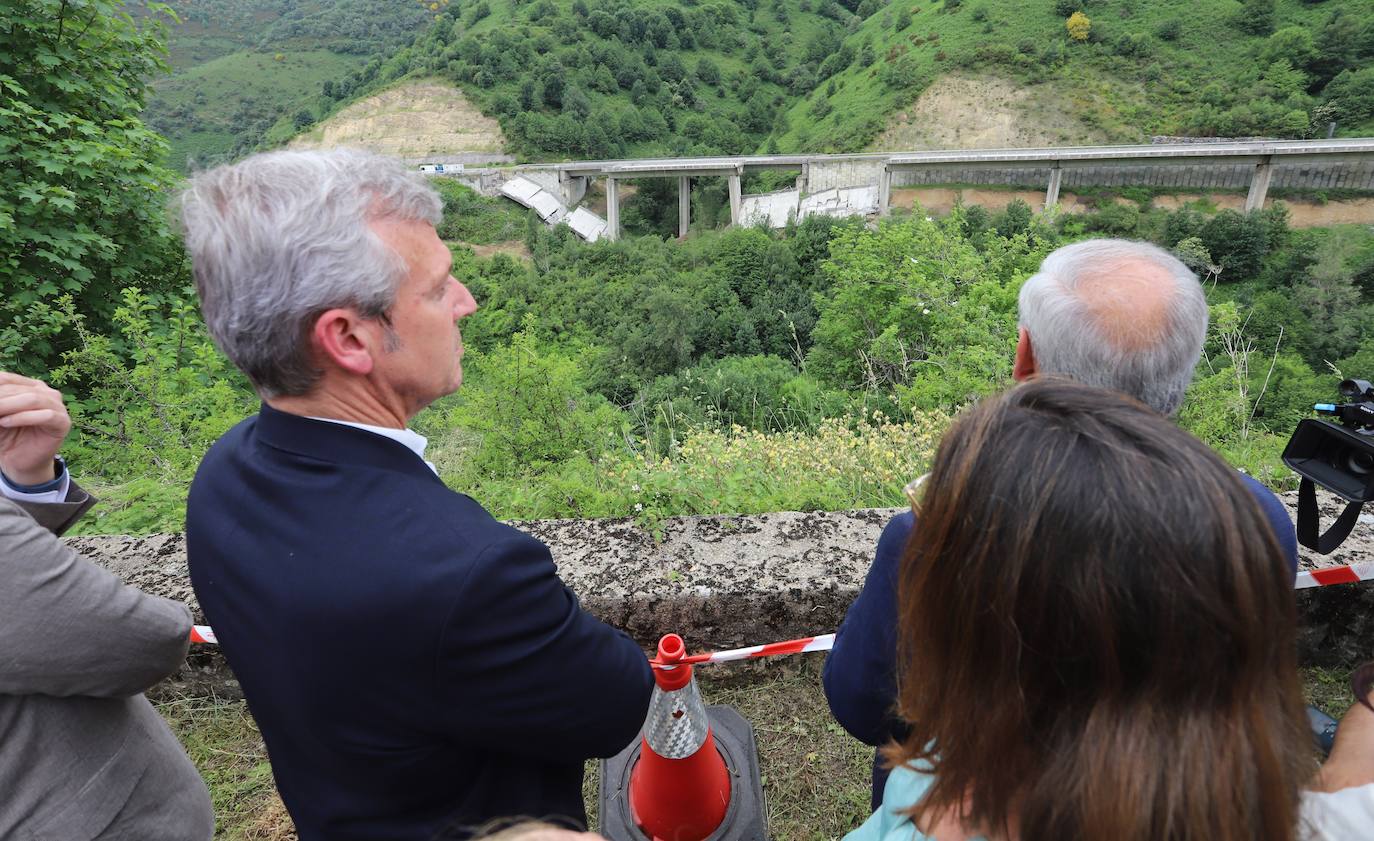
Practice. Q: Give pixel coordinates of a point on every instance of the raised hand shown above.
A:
(33, 423)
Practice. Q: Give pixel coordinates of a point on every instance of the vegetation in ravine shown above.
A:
(746, 370)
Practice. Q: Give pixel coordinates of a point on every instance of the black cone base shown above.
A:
(745, 817)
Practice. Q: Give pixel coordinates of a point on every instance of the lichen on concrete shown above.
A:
(728, 581)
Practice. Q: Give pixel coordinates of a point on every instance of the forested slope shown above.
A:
(603, 78)
(248, 72)
(608, 78)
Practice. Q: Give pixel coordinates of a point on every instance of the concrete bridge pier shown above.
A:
(1052, 193)
(684, 205)
(884, 190)
(572, 187)
(1259, 185)
(612, 209)
(736, 195)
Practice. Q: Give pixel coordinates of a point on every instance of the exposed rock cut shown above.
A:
(416, 119)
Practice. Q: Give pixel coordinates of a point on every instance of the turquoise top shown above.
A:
(905, 788)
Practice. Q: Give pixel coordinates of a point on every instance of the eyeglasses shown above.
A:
(915, 492)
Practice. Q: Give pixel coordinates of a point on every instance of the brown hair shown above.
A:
(1097, 631)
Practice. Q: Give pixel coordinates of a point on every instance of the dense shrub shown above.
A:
(81, 206)
(1237, 242)
(1352, 94)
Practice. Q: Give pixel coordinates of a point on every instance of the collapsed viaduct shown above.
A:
(863, 183)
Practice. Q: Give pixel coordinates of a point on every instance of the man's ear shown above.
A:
(341, 338)
(1024, 367)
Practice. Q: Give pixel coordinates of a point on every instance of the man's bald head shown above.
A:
(1117, 314)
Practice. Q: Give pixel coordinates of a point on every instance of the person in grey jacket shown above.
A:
(83, 755)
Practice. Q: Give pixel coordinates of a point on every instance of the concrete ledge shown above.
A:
(723, 581)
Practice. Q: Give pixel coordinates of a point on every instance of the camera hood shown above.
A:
(1339, 459)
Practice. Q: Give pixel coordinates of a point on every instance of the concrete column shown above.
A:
(1052, 194)
(736, 199)
(684, 205)
(884, 189)
(804, 180)
(1259, 185)
(612, 210)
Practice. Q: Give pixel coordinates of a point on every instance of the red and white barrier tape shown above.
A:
(1310, 578)
(824, 642)
(1334, 575)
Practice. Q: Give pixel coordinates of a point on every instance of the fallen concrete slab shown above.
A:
(531, 195)
(840, 202)
(586, 224)
(773, 209)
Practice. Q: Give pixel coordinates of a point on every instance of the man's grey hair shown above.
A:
(279, 238)
(1099, 343)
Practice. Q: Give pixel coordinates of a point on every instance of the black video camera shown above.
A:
(1339, 457)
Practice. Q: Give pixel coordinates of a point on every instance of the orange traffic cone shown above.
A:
(679, 788)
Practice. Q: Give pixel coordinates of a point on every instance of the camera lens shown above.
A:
(1356, 389)
(1360, 464)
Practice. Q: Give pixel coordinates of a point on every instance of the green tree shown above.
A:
(915, 307)
(1293, 44)
(708, 72)
(81, 184)
(1332, 302)
(1352, 94)
(1237, 242)
(531, 408)
(1169, 30)
(1256, 17)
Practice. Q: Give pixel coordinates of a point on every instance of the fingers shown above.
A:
(23, 398)
(34, 417)
(9, 378)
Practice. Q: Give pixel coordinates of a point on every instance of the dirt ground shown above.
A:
(514, 248)
(986, 112)
(1301, 214)
(411, 120)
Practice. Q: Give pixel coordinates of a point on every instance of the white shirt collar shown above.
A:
(413, 441)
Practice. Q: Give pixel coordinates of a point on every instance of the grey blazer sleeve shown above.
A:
(57, 517)
(69, 627)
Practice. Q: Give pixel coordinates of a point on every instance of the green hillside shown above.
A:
(223, 104)
(629, 77)
(245, 71)
(1190, 67)
(599, 78)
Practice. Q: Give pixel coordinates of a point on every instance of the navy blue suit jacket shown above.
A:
(860, 674)
(412, 663)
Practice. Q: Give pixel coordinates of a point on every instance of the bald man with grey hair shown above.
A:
(1116, 314)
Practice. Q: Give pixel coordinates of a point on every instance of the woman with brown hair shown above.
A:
(1096, 637)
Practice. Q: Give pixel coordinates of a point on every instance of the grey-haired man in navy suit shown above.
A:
(413, 663)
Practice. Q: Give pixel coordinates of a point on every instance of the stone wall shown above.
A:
(724, 582)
